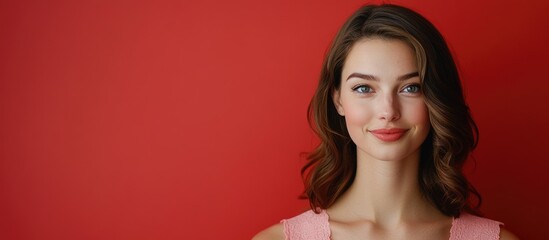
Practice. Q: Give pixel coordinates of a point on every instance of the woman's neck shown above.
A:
(385, 192)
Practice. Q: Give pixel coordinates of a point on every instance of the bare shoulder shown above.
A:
(275, 232)
(506, 235)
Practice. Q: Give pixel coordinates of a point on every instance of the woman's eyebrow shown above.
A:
(374, 78)
(363, 76)
(408, 76)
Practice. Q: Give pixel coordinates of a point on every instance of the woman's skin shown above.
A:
(381, 99)
(381, 90)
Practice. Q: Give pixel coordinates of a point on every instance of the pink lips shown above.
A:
(388, 134)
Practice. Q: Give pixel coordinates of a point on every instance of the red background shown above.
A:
(186, 119)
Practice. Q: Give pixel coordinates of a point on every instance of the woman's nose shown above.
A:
(389, 109)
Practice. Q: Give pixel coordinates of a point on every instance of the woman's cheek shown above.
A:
(420, 113)
(358, 115)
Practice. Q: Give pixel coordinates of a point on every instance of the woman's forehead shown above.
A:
(380, 58)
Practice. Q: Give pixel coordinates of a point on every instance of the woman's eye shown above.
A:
(363, 89)
(414, 88)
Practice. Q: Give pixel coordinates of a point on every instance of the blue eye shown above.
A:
(362, 89)
(414, 88)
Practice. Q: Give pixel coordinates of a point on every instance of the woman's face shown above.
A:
(381, 99)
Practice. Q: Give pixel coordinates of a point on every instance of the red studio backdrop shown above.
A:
(187, 119)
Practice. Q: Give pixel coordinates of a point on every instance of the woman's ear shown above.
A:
(336, 97)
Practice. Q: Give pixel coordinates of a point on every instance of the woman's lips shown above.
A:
(388, 134)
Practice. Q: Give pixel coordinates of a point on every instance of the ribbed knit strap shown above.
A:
(468, 227)
(307, 226)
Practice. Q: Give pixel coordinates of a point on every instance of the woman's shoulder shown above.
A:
(275, 232)
(507, 235)
(468, 226)
(307, 225)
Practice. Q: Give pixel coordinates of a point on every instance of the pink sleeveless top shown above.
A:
(312, 226)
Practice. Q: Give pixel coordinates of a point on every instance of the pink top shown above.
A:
(312, 226)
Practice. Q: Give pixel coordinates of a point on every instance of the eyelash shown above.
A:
(417, 86)
(370, 90)
(356, 89)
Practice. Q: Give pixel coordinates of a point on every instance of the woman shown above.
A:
(395, 131)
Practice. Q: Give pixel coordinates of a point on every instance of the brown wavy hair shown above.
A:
(331, 167)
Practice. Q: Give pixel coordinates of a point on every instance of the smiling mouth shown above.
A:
(388, 134)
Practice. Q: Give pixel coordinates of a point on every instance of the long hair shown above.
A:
(331, 167)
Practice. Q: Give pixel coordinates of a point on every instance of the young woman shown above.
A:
(395, 131)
